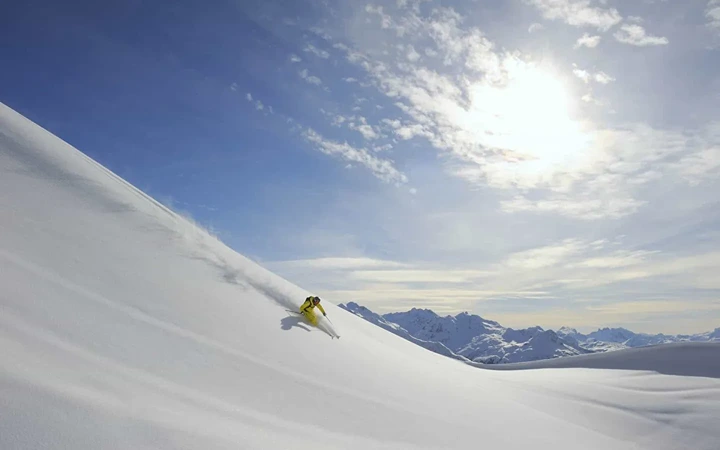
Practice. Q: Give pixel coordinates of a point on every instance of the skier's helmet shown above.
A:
(316, 300)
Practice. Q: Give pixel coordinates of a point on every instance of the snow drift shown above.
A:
(124, 326)
(673, 359)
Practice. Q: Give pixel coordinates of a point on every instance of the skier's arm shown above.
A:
(305, 306)
(321, 309)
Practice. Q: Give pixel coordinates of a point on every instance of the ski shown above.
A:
(333, 336)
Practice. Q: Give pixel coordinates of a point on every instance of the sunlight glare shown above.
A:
(528, 119)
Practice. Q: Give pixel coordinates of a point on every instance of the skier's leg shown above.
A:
(310, 314)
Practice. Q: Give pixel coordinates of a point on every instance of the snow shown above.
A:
(394, 328)
(125, 326)
(608, 339)
(674, 359)
(480, 340)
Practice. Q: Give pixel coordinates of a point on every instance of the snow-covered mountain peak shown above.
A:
(616, 335)
(521, 336)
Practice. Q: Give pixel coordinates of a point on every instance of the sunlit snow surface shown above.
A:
(123, 326)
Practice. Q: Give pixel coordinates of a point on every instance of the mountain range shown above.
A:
(470, 337)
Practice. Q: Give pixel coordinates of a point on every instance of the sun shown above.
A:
(528, 118)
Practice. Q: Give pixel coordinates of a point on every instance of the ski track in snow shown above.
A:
(124, 325)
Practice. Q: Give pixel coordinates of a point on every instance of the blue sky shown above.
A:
(551, 162)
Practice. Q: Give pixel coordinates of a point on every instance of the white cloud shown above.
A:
(419, 276)
(414, 5)
(599, 77)
(412, 54)
(309, 48)
(312, 79)
(355, 123)
(407, 132)
(620, 258)
(343, 263)
(350, 80)
(545, 256)
(589, 98)
(712, 13)
(321, 33)
(393, 123)
(295, 58)
(381, 168)
(535, 27)
(359, 124)
(507, 123)
(582, 74)
(578, 13)
(382, 148)
(249, 97)
(259, 105)
(604, 185)
(338, 120)
(385, 20)
(700, 166)
(633, 34)
(233, 87)
(603, 78)
(587, 41)
(589, 206)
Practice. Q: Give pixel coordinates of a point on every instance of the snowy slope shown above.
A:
(123, 326)
(675, 359)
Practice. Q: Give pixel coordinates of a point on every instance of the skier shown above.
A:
(307, 309)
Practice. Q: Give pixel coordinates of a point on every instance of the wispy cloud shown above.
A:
(259, 106)
(634, 34)
(599, 77)
(523, 137)
(582, 74)
(295, 58)
(309, 48)
(587, 41)
(344, 263)
(535, 27)
(712, 13)
(588, 206)
(505, 120)
(552, 255)
(700, 166)
(356, 123)
(578, 13)
(620, 258)
(312, 79)
(383, 169)
(603, 78)
(360, 125)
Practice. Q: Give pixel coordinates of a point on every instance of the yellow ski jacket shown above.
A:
(308, 306)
